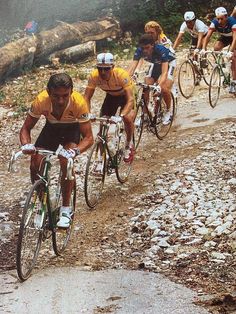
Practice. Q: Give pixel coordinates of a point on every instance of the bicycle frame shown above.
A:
(220, 63)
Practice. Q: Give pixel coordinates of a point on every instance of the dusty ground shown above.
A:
(99, 240)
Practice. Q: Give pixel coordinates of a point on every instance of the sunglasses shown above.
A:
(104, 68)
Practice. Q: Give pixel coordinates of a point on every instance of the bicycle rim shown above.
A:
(138, 125)
(207, 70)
(30, 235)
(61, 236)
(214, 87)
(122, 168)
(94, 179)
(186, 79)
(162, 130)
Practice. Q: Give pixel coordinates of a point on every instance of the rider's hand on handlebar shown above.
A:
(28, 149)
(66, 153)
(116, 119)
(202, 52)
(229, 54)
(196, 51)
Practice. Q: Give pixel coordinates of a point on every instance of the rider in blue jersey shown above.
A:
(226, 27)
(162, 67)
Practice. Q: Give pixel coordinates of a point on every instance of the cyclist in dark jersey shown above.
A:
(162, 67)
(226, 27)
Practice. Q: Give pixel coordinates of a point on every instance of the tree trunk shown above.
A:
(22, 54)
(75, 54)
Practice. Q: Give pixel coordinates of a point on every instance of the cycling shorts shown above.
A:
(58, 133)
(155, 70)
(111, 104)
(226, 40)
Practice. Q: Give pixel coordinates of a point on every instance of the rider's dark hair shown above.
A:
(146, 39)
(60, 80)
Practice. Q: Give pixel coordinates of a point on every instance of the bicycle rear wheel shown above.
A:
(122, 168)
(31, 231)
(207, 67)
(161, 130)
(214, 87)
(61, 236)
(186, 79)
(138, 125)
(95, 175)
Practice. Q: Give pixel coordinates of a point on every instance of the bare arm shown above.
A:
(200, 40)
(178, 40)
(233, 45)
(207, 38)
(130, 101)
(87, 141)
(133, 67)
(164, 73)
(88, 94)
(28, 125)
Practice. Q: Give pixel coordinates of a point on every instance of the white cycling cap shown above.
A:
(105, 58)
(189, 16)
(220, 11)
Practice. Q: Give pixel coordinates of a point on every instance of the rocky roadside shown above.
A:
(176, 215)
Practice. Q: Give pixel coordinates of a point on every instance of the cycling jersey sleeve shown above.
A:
(92, 80)
(36, 108)
(183, 28)
(138, 54)
(201, 27)
(125, 80)
(213, 25)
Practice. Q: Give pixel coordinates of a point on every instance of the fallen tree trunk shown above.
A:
(22, 54)
(74, 54)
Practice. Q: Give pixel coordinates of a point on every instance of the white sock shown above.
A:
(65, 209)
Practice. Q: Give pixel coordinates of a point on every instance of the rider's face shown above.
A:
(104, 71)
(147, 49)
(222, 19)
(60, 96)
(190, 24)
(152, 31)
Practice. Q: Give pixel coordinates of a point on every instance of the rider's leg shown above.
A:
(234, 65)
(166, 92)
(129, 125)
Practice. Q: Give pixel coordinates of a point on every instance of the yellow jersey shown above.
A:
(115, 86)
(75, 111)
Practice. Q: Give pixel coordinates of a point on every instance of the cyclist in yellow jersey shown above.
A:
(66, 114)
(119, 89)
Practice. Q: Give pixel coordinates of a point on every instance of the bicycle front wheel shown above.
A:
(61, 236)
(161, 128)
(214, 87)
(186, 79)
(138, 125)
(95, 175)
(31, 231)
(123, 168)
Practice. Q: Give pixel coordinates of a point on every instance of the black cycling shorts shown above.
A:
(111, 104)
(226, 40)
(54, 134)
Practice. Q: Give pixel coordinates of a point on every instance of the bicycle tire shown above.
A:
(208, 68)
(33, 204)
(186, 79)
(61, 236)
(138, 125)
(214, 87)
(162, 130)
(122, 168)
(94, 182)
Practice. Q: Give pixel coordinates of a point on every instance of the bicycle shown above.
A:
(154, 112)
(40, 215)
(104, 159)
(220, 77)
(192, 71)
